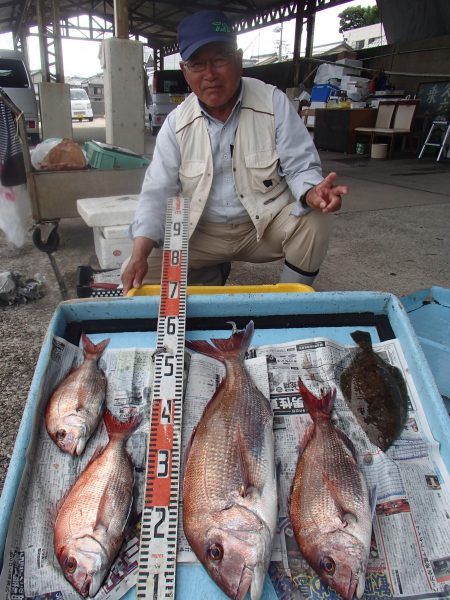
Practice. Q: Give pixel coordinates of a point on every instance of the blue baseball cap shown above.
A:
(202, 28)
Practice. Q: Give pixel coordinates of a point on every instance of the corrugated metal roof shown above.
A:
(157, 21)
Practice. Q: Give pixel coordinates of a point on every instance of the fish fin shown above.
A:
(237, 344)
(307, 437)
(121, 428)
(348, 442)
(205, 410)
(246, 483)
(317, 407)
(335, 488)
(99, 450)
(221, 348)
(91, 350)
(363, 339)
(204, 347)
(53, 511)
(373, 499)
(400, 381)
(188, 448)
(103, 520)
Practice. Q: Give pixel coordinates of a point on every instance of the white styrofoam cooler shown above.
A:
(109, 210)
(112, 245)
(110, 218)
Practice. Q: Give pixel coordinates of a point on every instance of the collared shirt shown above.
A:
(299, 164)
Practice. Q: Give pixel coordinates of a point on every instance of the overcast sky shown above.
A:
(81, 57)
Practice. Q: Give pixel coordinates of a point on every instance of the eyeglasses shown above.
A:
(218, 62)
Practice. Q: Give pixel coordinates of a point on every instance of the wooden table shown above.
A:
(334, 128)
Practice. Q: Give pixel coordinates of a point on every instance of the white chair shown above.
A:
(403, 111)
(383, 121)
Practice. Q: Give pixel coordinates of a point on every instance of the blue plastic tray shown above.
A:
(429, 313)
(131, 322)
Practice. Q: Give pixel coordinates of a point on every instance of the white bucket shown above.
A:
(378, 151)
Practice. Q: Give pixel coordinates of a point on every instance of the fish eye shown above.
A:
(328, 565)
(60, 434)
(215, 552)
(70, 565)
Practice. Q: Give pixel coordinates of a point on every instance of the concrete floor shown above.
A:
(392, 234)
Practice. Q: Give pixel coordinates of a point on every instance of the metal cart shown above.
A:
(54, 194)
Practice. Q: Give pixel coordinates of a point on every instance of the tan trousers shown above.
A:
(302, 241)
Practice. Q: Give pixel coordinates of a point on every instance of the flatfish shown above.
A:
(376, 392)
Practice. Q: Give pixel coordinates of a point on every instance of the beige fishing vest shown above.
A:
(260, 188)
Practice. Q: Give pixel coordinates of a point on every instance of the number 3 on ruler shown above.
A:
(163, 463)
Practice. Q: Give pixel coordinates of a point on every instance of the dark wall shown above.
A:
(406, 20)
(278, 74)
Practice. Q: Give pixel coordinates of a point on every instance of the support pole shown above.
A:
(59, 66)
(121, 19)
(22, 37)
(298, 40)
(310, 23)
(40, 10)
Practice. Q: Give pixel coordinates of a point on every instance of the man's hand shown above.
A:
(325, 196)
(137, 266)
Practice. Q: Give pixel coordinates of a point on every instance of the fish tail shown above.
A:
(317, 407)
(363, 339)
(123, 429)
(91, 350)
(236, 345)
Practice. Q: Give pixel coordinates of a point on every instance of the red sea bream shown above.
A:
(329, 506)
(229, 486)
(89, 528)
(76, 406)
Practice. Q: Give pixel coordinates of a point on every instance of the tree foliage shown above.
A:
(358, 16)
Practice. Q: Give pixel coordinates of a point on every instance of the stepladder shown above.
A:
(438, 137)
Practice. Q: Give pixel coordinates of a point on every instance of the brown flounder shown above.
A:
(376, 393)
(329, 506)
(76, 406)
(229, 484)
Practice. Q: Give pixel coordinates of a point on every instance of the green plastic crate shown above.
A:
(105, 156)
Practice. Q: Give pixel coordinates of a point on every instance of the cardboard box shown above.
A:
(112, 245)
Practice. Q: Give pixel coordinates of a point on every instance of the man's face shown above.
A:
(213, 74)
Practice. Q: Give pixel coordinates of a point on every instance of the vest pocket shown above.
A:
(263, 168)
(190, 173)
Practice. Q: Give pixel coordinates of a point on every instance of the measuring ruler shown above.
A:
(158, 544)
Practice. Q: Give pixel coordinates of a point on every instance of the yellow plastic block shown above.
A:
(153, 290)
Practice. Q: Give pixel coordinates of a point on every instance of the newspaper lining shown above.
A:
(410, 548)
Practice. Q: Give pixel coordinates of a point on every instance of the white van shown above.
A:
(80, 105)
(169, 89)
(16, 82)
